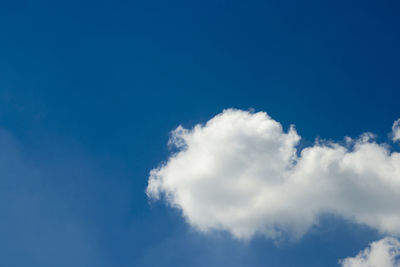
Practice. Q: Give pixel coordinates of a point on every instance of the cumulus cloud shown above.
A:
(382, 253)
(242, 173)
(396, 130)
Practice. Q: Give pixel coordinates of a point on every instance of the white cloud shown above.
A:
(240, 172)
(382, 253)
(396, 130)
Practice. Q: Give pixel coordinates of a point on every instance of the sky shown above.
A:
(199, 133)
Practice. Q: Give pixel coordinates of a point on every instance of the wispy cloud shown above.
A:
(396, 131)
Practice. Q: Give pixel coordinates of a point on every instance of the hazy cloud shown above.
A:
(48, 203)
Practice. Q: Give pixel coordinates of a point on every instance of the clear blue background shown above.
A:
(90, 90)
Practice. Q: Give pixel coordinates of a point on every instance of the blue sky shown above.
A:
(89, 92)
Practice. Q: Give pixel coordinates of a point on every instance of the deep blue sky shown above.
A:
(90, 90)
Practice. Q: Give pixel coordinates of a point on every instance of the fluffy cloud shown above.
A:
(396, 130)
(383, 253)
(241, 172)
